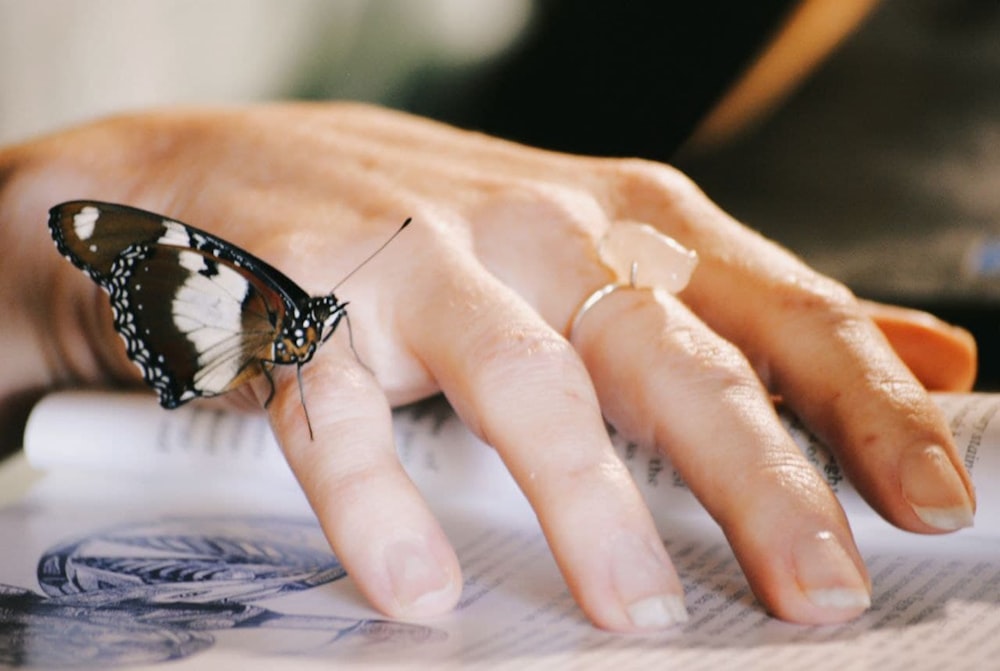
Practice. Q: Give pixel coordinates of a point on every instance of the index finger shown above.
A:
(371, 512)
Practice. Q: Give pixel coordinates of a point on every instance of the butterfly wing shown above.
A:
(197, 313)
(93, 234)
(193, 324)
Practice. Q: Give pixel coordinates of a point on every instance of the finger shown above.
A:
(839, 374)
(812, 344)
(372, 514)
(665, 379)
(941, 356)
(522, 388)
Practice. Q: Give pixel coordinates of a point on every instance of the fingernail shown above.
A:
(419, 583)
(934, 489)
(646, 585)
(827, 575)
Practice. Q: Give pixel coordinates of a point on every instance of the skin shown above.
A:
(473, 300)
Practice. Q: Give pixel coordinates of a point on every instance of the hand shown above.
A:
(474, 300)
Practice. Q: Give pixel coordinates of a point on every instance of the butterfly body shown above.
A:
(199, 316)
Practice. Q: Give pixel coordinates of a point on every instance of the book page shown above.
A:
(211, 572)
(205, 575)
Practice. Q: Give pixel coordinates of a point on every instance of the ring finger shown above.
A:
(664, 378)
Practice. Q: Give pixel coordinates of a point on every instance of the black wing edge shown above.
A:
(199, 239)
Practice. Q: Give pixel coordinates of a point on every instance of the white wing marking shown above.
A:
(207, 309)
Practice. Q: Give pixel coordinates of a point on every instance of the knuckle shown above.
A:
(598, 473)
(639, 181)
(709, 365)
(350, 484)
(821, 306)
(778, 479)
(529, 353)
(815, 294)
(346, 481)
(643, 172)
(526, 386)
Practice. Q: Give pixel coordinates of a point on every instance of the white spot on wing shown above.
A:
(192, 261)
(85, 221)
(175, 235)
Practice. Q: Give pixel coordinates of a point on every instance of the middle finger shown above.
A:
(522, 388)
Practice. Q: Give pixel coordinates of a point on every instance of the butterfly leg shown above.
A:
(265, 367)
(302, 397)
(350, 341)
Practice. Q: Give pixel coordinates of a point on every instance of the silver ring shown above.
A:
(592, 300)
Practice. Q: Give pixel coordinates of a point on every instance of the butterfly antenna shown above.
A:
(373, 254)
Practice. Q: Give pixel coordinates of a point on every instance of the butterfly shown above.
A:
(199, 315)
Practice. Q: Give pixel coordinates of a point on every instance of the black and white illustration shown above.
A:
(171, 588)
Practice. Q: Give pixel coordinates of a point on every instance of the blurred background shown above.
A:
(883, 169)
(862, 134)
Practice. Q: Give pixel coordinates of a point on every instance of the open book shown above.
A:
(182, 536)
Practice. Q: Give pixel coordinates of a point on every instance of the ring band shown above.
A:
(592, 300)
(667, 265)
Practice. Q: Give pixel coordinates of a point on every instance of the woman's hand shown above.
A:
(475, 300)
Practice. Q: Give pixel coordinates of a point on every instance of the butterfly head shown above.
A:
(327, 311)
(308, 328)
